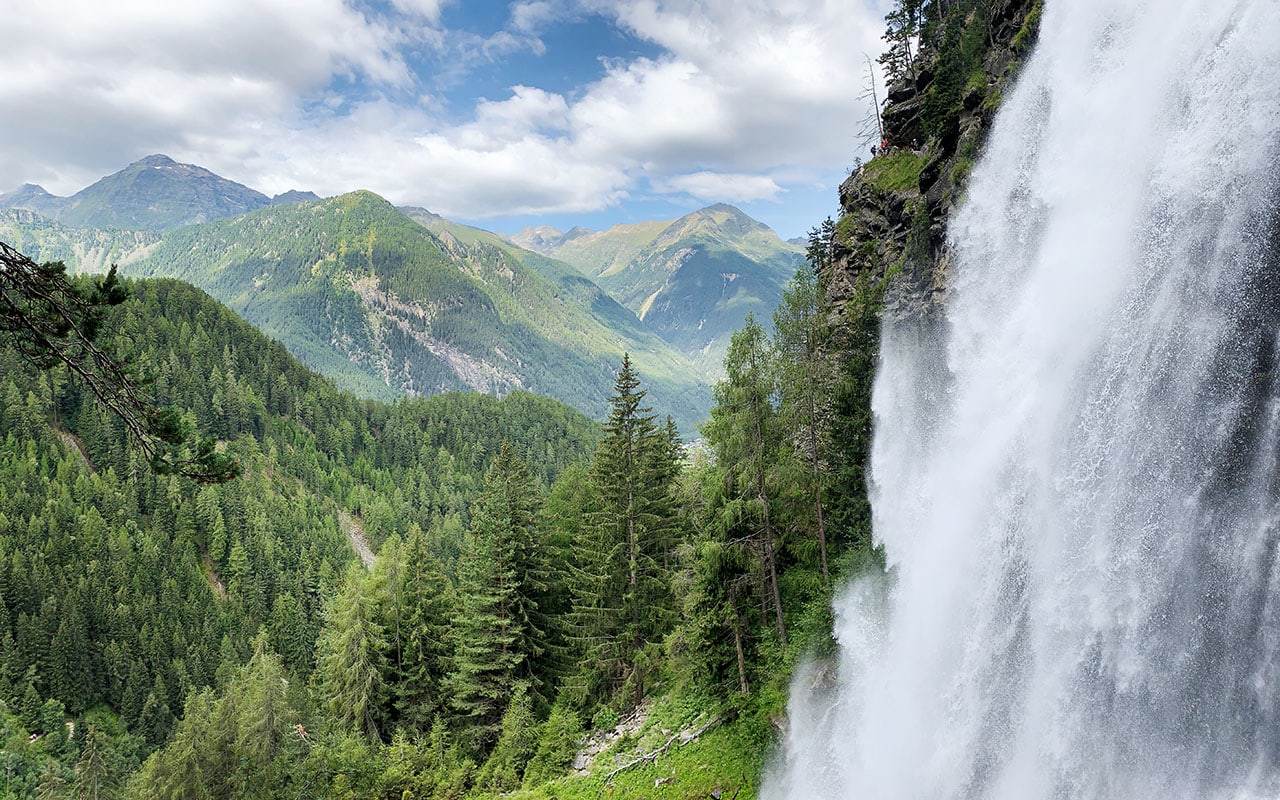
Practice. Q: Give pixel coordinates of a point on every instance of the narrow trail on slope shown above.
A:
(215, 583)
(355, 534)
(75, 446)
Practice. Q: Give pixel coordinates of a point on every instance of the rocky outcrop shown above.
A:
(891, 238)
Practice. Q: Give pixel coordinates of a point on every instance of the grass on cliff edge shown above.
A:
(898, 171)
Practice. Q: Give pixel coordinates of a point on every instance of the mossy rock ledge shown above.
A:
(895, 207)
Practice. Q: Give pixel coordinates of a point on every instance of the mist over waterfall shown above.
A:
(1075, 469)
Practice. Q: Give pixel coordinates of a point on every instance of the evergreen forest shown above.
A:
(439, 597)
(462, 596)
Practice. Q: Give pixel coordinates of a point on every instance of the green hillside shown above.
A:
(82, 249)
(692, 281)
(567, 278)
(361, 614)
(122, 591)
(386, 307)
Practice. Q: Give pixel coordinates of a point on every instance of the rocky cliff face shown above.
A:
(891, 237)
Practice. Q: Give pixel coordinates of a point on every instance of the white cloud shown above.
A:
(665, 115)
(81, 83)
(533, 16)
(526, 111)
(504, 43)
(467, 172)
(746, 100)
(746, 94)
(763, 83)
(720, 186)
(427, 9)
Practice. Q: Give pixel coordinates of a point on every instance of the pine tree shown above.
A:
(243, 744)
(350, 670)
(155, 721)
(622, 585)
(517, 741)
(722, 566)
(53, 783)
(264, 725)
(901, 33)
(288, 628)
(95, 774)
(498, 631)
(806, 383)
(419, 604)
(858, 342)
(743, 432)
(561, 525)
(557, 743)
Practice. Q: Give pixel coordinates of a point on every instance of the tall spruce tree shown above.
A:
(722, 567)
(419, 605)
(806, 380)
(743, 433)
(622, 589)
(96, 778)
(351, 655)
(499, 629)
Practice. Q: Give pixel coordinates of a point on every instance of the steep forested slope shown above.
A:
(123, 590)
(362, 293)
(81, 249)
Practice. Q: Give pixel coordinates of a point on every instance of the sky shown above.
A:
(498, 114)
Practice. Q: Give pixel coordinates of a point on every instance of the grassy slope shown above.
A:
(570, 284)
(729, 757)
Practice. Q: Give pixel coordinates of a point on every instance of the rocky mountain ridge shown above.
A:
(674, 291)
(154, 193)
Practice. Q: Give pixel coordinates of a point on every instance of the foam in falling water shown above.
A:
(1075, 472)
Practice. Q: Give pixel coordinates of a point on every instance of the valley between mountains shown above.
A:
(393, 302)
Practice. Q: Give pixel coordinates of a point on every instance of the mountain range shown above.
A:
(155, 193)
(391, 301)
(692, 280)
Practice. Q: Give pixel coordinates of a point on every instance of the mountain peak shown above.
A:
(420, 214)
(32, 197)
(541, 239)
(294, 196)
(154, 160)
(724, 208)
(26, 190)
(720, 221)
(364, 197)
(157, 193)
(723, 213)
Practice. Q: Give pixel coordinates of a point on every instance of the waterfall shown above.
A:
(1074, 472)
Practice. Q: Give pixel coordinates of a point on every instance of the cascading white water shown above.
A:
(1075, 473)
